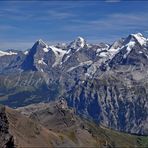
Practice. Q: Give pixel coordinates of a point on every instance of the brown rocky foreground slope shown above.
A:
(55, 125)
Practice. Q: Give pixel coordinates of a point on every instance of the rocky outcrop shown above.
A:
(6, 139)
(59, 118)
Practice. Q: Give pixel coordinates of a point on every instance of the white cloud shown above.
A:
(114, 22)
(59, 14)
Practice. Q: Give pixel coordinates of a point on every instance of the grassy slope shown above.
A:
(118, 139)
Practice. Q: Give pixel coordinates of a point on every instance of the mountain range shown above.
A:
(105, 83)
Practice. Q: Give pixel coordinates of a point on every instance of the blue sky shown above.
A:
(22, 23)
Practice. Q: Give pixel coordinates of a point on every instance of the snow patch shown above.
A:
(81, 64)
(103, 54)
(68, 56)
(140, 52)
(139, 37)
(59, 53)
(68, 51)
(41, 62)
(45, 49)
(26, 52)
(129, 47)
(112, 52)
(3, 53)
(81, 41)
(42, 70)
(91, 70)
(43, 45)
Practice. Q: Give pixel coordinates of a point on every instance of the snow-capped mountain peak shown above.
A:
(41, 43)
(78, 43)
(140, 38)
(137, 37)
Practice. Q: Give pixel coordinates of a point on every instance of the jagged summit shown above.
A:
(41, 43)
(140, 38)
(80, 39)
(137, 34)
(137, 38)
(78, 43)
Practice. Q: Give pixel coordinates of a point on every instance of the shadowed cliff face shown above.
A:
(114, 102)
(6, 139)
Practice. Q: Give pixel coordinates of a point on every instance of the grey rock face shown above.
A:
(114, 102)
(107, 83)
(6, 139)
